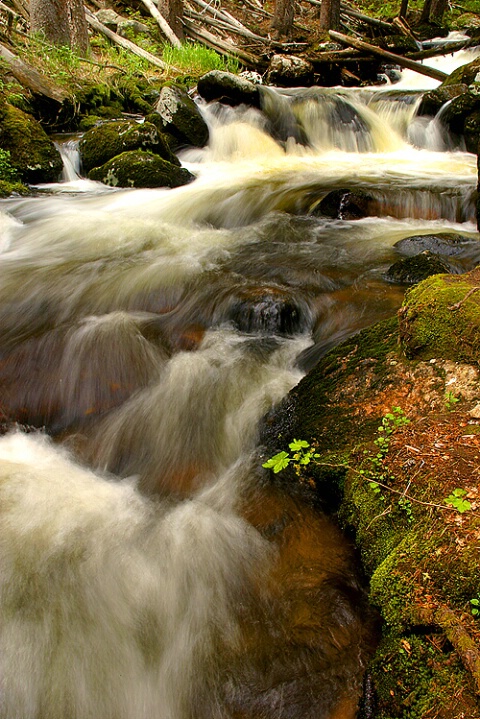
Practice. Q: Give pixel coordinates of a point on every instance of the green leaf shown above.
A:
(278, 462)
(298, 444)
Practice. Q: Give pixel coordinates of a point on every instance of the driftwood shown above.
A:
(127, 44)
(221, 24)
(162, 23)
(390, 56)
(29, 77)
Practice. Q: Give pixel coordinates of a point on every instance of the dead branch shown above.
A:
(221, 46)
(126, 44)
(390, 56)
(162, 23)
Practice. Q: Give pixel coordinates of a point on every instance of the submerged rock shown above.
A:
(140, 169)
(228, 88)
(268, 310)
(447, 244)
(344, 205)
(411, 270)
(32, 153)
(104, 142)
(177, 115)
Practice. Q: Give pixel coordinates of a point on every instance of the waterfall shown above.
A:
(151, 568)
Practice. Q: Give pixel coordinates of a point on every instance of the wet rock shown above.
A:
(447, 244)
(344, 205)
(463, 75)
(228, 88)
(432, 101)
(290, 71)
(412, 270)
(177, 115)
(441, 318)
(105, 141)
(462, 112)
(140, 169)
(32, 152)
(268, 310)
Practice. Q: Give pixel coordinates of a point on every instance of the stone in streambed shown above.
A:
(104, 142)
(228, 88)
(177, 115)
(140, 169)
(411, 270)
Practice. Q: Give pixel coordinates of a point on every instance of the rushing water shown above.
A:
(150, 568)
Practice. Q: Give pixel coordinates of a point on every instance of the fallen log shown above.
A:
(390, 56)
(29, 77)
(221, 24)
(358, 15)
(127, 44)
(162, 23)
(445, 49)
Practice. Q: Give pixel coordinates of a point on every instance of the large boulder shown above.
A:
(228, 88)
(441, 318)
(432, 101)
(140, 169)
(447, 244)
(290, 71)
(32, 153)
(105, 141)
(177, 115)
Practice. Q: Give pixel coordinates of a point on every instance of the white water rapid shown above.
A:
(151, 569)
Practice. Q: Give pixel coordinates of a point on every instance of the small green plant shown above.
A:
(475, 606)
(376, 472)
(303, 454)
(456, 499)
(406, 506)
(450, 400)
(7, 172)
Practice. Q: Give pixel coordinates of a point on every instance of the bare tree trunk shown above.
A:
(330, 15)
(283, 17)
(62, 22)
(172, 11)
(425, 16)
(437, 10)
(403, 9)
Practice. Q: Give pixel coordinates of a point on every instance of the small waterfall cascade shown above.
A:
(151, 568)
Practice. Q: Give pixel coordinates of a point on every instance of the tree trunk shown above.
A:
(283, 17)
(172, 11)
(403, 9)
(425, 16)
(437, 10)
(61, 22)
(330, 15)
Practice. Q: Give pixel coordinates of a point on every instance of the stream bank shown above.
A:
(405, 485)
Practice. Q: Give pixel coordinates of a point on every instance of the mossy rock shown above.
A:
(458, 112)
(432, 101)
(472, 132)
(177, 115)
(441, 318)
(32, 152)
(136, 168)
(464, 75)
(106, 141)
(12, 188)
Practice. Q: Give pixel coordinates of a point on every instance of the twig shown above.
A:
(457, 305)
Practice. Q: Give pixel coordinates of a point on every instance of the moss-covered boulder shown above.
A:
(104, 142)
(32, 153)
(432, 101)
(177, 115)
(441, 318)
(463, 75)
(398, 477)
(137, 168)
(461, 117)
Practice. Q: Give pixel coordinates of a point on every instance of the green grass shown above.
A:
(197, 59)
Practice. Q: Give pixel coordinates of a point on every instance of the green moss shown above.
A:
(140, 169)
(11, 188)
(440, 318)
(104, 142)
(32, 152)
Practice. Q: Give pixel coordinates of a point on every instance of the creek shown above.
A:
(151, 569)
